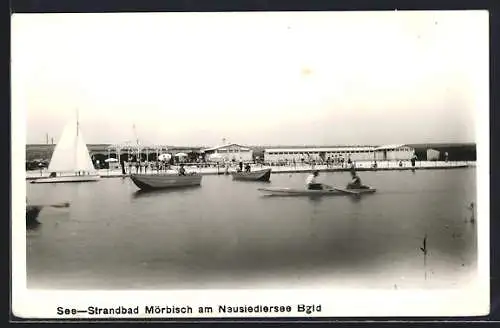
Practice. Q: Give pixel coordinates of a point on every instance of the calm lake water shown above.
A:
(224, 234)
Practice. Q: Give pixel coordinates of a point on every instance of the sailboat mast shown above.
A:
(77, 122)
(135, 135)
(138, 155)
(75, 154)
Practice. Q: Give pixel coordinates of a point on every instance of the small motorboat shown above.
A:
(166, 180)
(276, 191)
(260, 175)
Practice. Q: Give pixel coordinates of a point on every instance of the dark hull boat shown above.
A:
(164, 181)
(260, 175)
(32, 213)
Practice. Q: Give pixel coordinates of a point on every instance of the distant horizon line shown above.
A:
(275, 145)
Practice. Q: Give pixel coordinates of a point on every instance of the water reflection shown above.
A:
(314, 199)
(257, 183)
(161, 192)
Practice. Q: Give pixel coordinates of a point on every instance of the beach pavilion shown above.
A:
(131, 152)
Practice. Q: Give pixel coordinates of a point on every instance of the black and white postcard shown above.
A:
(250, 164)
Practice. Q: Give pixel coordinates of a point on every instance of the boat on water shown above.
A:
(70, 161)
(164, 181)
(84, 177)
(32, 212)
(260, 175)
(276, 191)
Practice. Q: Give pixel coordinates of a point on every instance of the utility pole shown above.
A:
(135, 134)
(137, 143)
(77, 121)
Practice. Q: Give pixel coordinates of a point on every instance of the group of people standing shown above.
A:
(240, 167)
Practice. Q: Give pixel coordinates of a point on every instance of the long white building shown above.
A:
(228, 153)
(367, 153)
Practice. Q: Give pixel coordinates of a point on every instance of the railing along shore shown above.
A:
(291, 168)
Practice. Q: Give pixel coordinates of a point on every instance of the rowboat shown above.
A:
(275, 191)
(162, 181)
(260, 175)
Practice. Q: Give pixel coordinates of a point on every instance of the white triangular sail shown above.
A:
(71, 153)
(83, 160)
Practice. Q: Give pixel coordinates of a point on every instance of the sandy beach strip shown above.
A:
(299, 168)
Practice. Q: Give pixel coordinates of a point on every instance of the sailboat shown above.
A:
(71, 161)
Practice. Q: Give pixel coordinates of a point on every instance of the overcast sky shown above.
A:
(254, 78)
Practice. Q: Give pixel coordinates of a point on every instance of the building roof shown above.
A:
(226, 146)
(137, 146)
(385, 147)
(333, 149)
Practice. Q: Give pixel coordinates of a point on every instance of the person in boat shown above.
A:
(247, 168)
(182, 170)
(312, 184)
(240, 164)
(355, 182)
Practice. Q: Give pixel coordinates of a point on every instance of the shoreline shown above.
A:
(360, 167)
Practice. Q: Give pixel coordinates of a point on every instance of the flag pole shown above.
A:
(77, 121)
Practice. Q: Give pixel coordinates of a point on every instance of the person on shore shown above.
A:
(182, 170)
(352, 167)
(122, 163)
(413, 160)
(312, 184)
